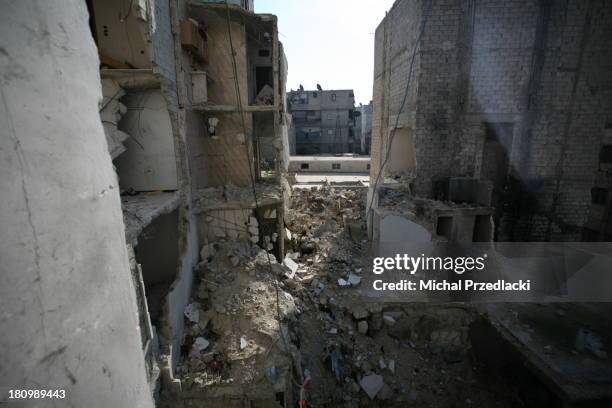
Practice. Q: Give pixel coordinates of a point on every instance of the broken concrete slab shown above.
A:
(359, 312)
(371, 384)
(291, 264)
(192, 312)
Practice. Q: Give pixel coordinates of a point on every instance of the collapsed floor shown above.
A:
(258, 330)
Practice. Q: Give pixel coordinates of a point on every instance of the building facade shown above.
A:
(171, 136)
(365, 127)
(323, 121)
(509, 94)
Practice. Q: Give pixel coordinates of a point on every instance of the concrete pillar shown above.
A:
(68, 315)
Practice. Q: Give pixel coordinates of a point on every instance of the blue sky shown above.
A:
(330, 42)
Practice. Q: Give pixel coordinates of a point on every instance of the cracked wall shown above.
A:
(63, 248)
(537, 68)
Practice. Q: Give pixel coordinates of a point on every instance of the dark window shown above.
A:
(599, 195)
(445, 226)
(335, 166)
(264, 53)
(304, 166)
(605, 155)
(333, 97)
(483, 229)
(314, 94)
(367, 167)
(590, 235)
(263, 77)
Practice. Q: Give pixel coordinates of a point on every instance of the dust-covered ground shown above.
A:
(264, 326)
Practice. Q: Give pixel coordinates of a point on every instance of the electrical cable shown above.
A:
(241, 112)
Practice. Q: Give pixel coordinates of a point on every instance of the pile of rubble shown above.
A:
(322, 339)
(234, 340)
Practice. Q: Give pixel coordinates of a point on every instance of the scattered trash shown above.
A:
(200, 344)
(342, 282)
(337, 364)
(243, 343)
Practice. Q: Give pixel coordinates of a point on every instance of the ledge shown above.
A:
(133, 78)
(141, 209)
(236, 198)
(231, 108)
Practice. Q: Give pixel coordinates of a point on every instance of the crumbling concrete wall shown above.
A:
(537, 67)
(230, 153)
(69, 316)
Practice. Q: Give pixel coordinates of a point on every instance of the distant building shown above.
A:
(365, 127)
(323, 121)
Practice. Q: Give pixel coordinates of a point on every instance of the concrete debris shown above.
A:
(371, 384)
(388, 320)
(192, 312)
(265, 96)
(207, 251)
(200, 344)
(290, 263)
(391, 366)
(359, 344)
(354, 280)
(360, 312)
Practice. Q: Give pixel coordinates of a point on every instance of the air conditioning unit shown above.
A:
(193, 40)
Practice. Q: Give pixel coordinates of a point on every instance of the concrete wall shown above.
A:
(69, 315)
(149, 162)
(539, 66)
(227, 155)
(117, 25)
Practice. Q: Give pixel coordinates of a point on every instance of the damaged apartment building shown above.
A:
(191, 101)
(504, 132)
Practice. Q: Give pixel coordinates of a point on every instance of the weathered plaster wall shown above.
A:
(69, 315)
(228, 157)
(149, 162)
